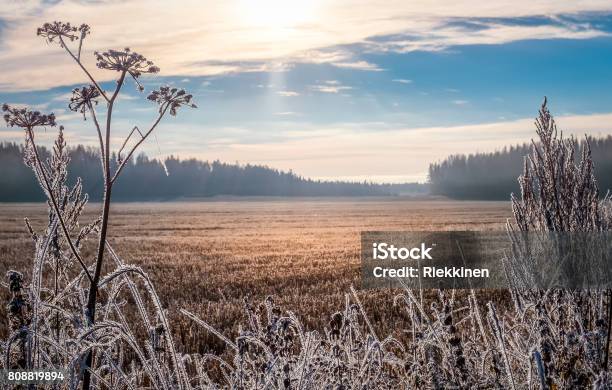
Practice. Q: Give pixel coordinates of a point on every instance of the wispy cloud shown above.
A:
(460, 102)
(286, 113)
(442, 36)
(63, 97)
(16, 10)
(313, 151)
(42, 106)
(194, 43)
(288, 93)
(330, 86)
(402, 81)
(359, 65)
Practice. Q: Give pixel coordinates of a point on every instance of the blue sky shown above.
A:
(370, 92)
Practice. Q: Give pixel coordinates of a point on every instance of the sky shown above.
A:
(352, 90)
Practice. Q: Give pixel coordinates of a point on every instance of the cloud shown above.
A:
(460, 102)
(63, 97)
(286, 113)
(380, 153)
(380, 150)
(39, 107)
(15, 10)
(288, 93)
(358, 65)
(330, 86)
(193, 41)
(443, 36)
(125, 96)
(402, 81)
(322, 56)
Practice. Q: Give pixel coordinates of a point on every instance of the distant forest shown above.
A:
(150, 179)
(493, 176)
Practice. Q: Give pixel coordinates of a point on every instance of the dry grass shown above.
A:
(206, 257)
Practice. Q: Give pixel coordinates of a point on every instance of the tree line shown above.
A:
(493, 176)
(173, 178)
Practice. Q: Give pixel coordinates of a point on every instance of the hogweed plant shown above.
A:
(71, 317)
(67, 204)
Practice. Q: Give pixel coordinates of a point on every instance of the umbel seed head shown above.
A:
(62, 31)
(25, 118)
(83, 99)
(126, 61)
(172, 98)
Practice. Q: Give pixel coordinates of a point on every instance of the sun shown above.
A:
(277, 14)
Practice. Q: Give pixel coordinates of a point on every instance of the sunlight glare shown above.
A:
(277, 14)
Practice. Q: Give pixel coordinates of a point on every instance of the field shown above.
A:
(207, 257)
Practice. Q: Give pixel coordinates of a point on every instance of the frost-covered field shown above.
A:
(207, 257)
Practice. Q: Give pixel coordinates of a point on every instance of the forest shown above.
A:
(492, 176)
(147, 179)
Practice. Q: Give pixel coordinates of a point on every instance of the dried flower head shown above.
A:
(172, 98)
(83, 98)
(59, 30)
(23, 117)
(84, 30)
(126, 61)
